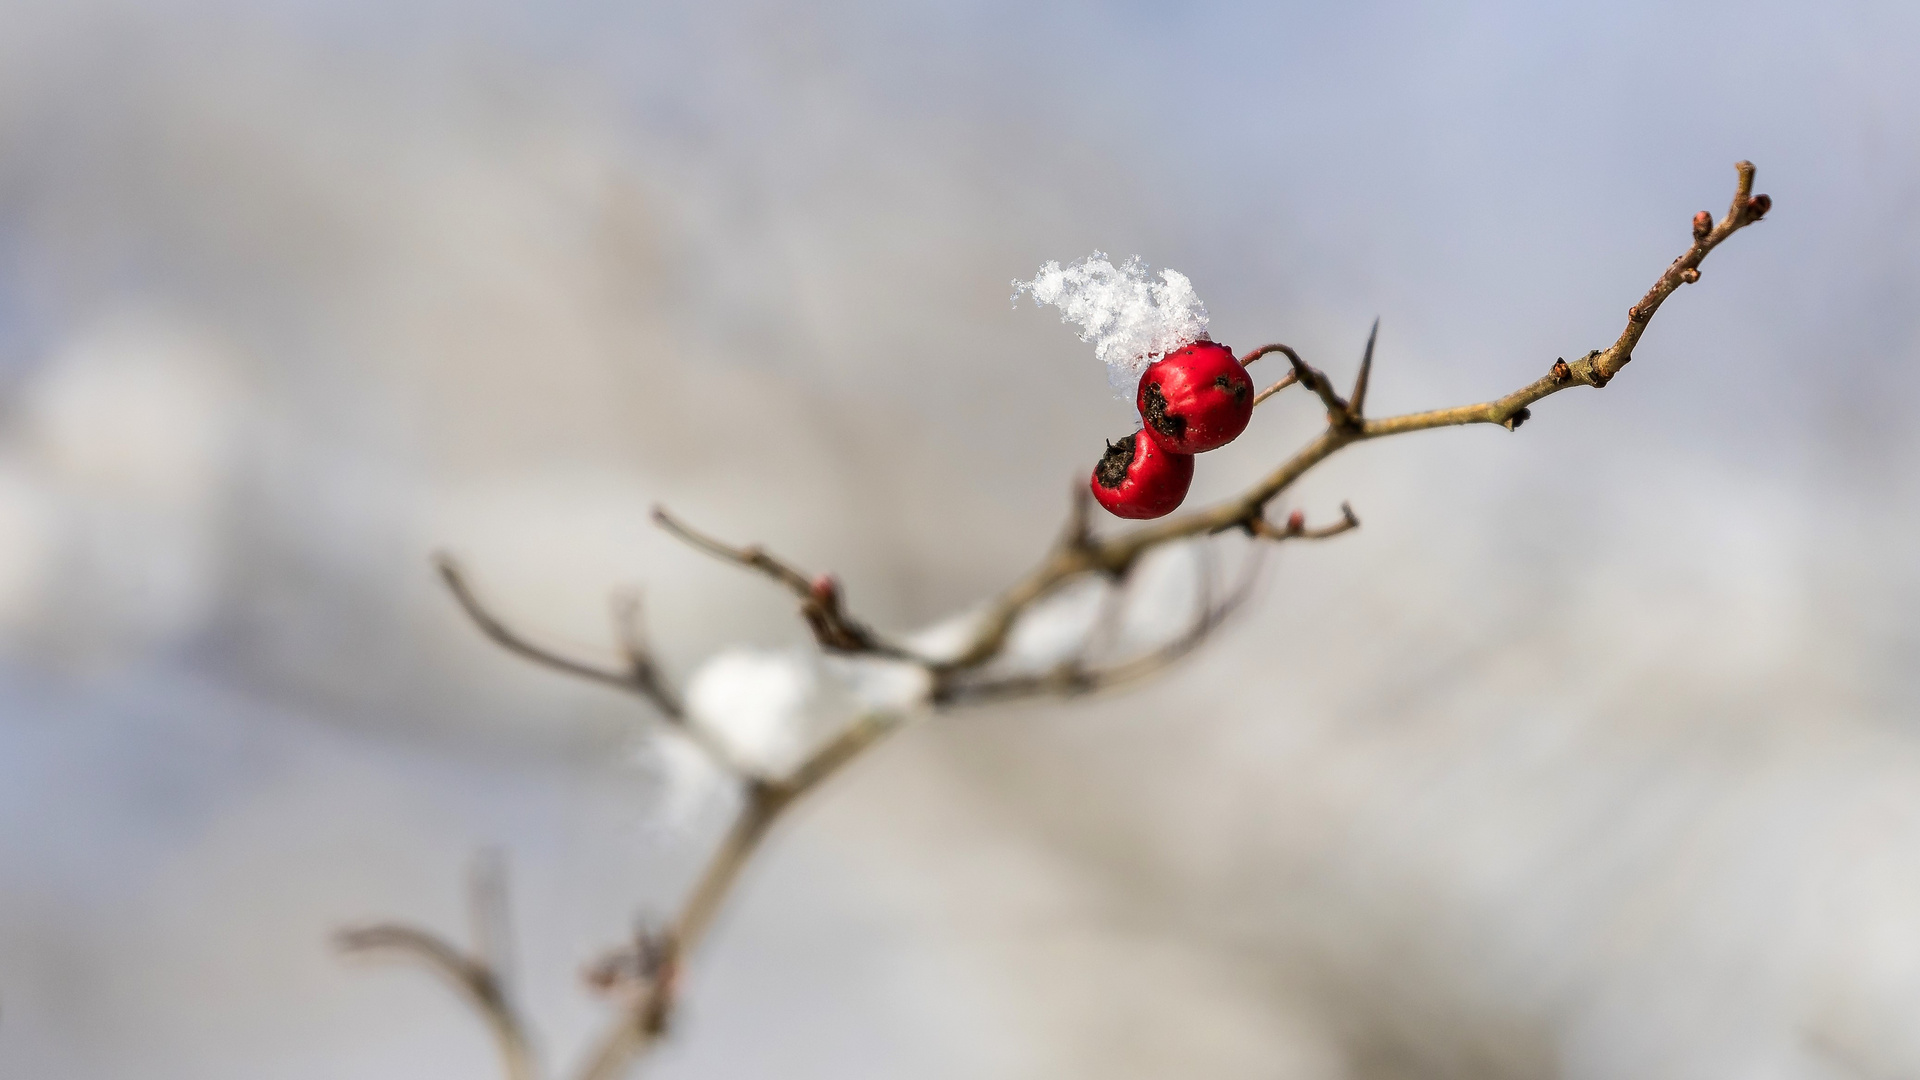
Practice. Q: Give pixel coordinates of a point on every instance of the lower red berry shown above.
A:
(1139, 478)
(1196, 398)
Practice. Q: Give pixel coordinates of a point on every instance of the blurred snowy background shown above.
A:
(1595, 753)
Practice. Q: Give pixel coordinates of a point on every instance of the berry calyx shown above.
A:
(1197, 398)
(1139, 478)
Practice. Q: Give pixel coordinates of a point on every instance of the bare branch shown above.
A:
(629, 630)
(819, 597)
(1316, 380)
(1076, 678)
(640, 677)
(1285, 382)
(473, 978)
(1296, 526)
(1263, 350)
(507, 638)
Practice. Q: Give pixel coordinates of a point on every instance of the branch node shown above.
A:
(1702, 225)
(1690, 275)
(1560, 372)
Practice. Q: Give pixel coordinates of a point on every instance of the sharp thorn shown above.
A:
(1356, 405)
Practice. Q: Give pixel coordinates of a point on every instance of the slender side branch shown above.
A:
(819, 597)
(1076, 677)
(641, 675)
(1338, 414)
(471, 976)
(511, 640)
(1296, 526)
(1288, 380)
(764, 801)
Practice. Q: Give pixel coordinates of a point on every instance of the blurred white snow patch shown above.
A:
(1060, 626)
(136, 408)
(948, 638)
(879, 685)
(125, 456)
(685, 780)
(1130, 320)
(1164, 594)
(775, 706)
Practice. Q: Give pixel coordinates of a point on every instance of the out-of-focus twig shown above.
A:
(820, 601)
(479, 981)
(641, 675)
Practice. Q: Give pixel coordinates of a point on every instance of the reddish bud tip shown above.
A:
(1758, 206)
(1296, 521)
(1689, 275)
(1702, 225)
(824, 588)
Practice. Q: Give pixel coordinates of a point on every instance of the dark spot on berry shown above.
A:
(1172, 425)
(1112, 470)
(1238, 389)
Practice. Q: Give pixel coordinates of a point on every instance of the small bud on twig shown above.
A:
(1296, 522)
(1689, 275)
(1758, 206)
(824, 589)
(1702, 225)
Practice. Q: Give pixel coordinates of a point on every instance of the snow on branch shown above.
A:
(1130, 320)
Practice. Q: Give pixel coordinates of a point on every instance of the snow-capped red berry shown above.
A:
(1139, 478)
(1197, 398)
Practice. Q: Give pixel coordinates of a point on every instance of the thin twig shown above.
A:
(509, 639)
(1285, 382)
(1263, 350)
(1296, 526)
(820, 601)
(1075, 678)
(471, 976)
(629, 631)
(641, 675)
(646, 1020)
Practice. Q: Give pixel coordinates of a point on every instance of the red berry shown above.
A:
(1139, 478)
(1196, 398)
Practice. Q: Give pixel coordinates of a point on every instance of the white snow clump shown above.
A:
(775, 706)
(1130, 320)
